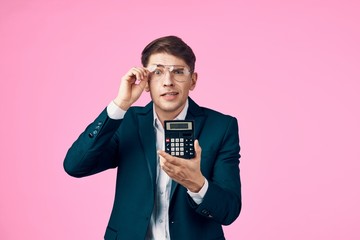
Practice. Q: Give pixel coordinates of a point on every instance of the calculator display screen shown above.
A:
(179, 125)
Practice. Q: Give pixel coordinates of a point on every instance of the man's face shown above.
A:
(167, 92)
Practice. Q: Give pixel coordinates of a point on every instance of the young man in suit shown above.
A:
(160, 196)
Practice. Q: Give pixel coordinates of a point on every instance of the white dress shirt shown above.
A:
(159, 223)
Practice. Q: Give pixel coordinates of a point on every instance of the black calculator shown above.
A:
(179, 138)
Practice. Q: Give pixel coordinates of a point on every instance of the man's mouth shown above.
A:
(169, 94)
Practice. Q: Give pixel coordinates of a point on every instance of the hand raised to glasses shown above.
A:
(132, 84)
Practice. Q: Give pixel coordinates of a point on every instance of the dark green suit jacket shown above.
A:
(130, 145)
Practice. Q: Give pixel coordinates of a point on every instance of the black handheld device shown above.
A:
(179, 138)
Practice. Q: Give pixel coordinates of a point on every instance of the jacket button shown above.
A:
(91, 135)
(205, 212)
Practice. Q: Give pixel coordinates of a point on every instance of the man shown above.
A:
(160, 196)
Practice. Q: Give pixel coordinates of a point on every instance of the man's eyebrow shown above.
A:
(162, 65)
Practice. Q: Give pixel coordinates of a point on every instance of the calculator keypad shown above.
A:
(180, 147)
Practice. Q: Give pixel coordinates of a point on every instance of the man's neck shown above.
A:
(163, 116)
(167, 115)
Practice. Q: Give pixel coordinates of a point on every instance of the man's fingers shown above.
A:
(161, 161)
(163, 154)
(168, 159)
(139, 73)
(197, 148)
(165, 165)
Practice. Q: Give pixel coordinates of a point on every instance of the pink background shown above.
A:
(288, 70)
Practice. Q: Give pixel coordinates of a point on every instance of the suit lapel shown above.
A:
(148, 139)
(196, 114)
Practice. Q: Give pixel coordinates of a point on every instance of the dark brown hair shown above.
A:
(172, 45)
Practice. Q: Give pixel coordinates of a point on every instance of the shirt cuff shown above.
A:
(114, 112)
(199, 196)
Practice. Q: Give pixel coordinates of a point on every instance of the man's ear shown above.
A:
(147, 87)
(194, 77)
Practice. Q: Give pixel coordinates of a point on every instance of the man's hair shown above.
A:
(171, 45)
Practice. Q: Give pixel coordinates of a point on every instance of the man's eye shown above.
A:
(157, 71)
(178, 71)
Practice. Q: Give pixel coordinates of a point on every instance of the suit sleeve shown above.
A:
(222, 201)
(95, 150)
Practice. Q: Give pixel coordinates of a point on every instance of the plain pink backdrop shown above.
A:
(288, 70)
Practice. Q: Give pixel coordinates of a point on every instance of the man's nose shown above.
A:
(168, 81)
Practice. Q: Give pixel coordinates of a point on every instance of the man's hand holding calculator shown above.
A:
(184, 171)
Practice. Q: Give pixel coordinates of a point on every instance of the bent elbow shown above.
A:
(70, 169)
(232, 216)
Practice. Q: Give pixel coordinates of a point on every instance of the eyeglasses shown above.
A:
(178, 73)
